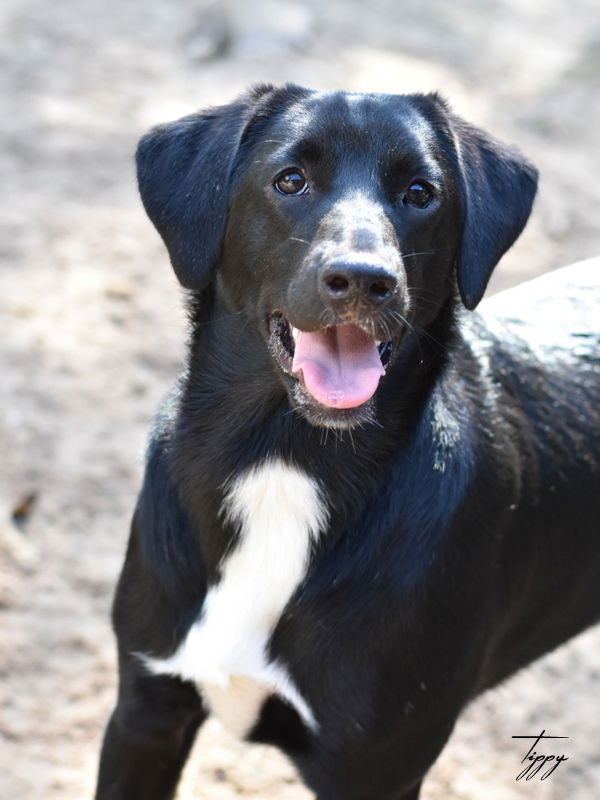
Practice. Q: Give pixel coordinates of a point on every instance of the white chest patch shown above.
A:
(279, 511)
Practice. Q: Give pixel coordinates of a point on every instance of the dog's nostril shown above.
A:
(337, 284)
(347, 281)
(381, 290)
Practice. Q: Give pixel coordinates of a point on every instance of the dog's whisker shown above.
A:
(387, 327)
(351, 437)
(421, 253)
(419, 298)
(421, 302)
(402, 319)
(424, 333)
(223, 317)
(241, 331)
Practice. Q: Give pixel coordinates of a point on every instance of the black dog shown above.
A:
(363, 505)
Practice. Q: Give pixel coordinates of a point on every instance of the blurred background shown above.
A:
(92, 330)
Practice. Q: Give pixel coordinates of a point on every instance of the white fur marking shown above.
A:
(279, 510)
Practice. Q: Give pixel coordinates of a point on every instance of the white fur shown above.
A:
(279, 510)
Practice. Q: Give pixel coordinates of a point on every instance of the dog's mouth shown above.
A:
(338, 367)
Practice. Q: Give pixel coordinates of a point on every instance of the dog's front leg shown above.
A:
(413, 794)
(148, 737)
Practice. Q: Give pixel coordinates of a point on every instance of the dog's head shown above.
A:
(338, 221)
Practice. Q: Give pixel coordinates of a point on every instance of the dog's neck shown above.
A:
(247, 410)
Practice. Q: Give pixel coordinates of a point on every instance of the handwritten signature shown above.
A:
(537, 761)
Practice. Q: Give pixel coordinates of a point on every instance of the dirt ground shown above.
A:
(92, 332)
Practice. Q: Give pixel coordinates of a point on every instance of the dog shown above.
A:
(364, 503)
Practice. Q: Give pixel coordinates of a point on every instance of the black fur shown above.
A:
(462, 541)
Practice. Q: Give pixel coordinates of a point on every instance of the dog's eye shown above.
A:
(290, 182)
(418, 194)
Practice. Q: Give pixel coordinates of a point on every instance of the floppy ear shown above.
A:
(497, 186)
(184, 171)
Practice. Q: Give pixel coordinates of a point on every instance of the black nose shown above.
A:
(345, 281)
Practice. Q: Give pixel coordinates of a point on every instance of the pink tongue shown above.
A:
(340, 365)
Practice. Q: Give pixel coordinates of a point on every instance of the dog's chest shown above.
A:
(279, 511)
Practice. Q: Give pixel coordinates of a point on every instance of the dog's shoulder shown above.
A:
(163, 423)
(162, 524)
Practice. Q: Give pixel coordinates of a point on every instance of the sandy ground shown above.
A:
(92, 332)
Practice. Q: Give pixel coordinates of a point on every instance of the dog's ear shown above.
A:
(184, 171)
(497, 187)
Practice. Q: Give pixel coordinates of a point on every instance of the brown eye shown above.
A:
(291, 182)
(418, 194)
